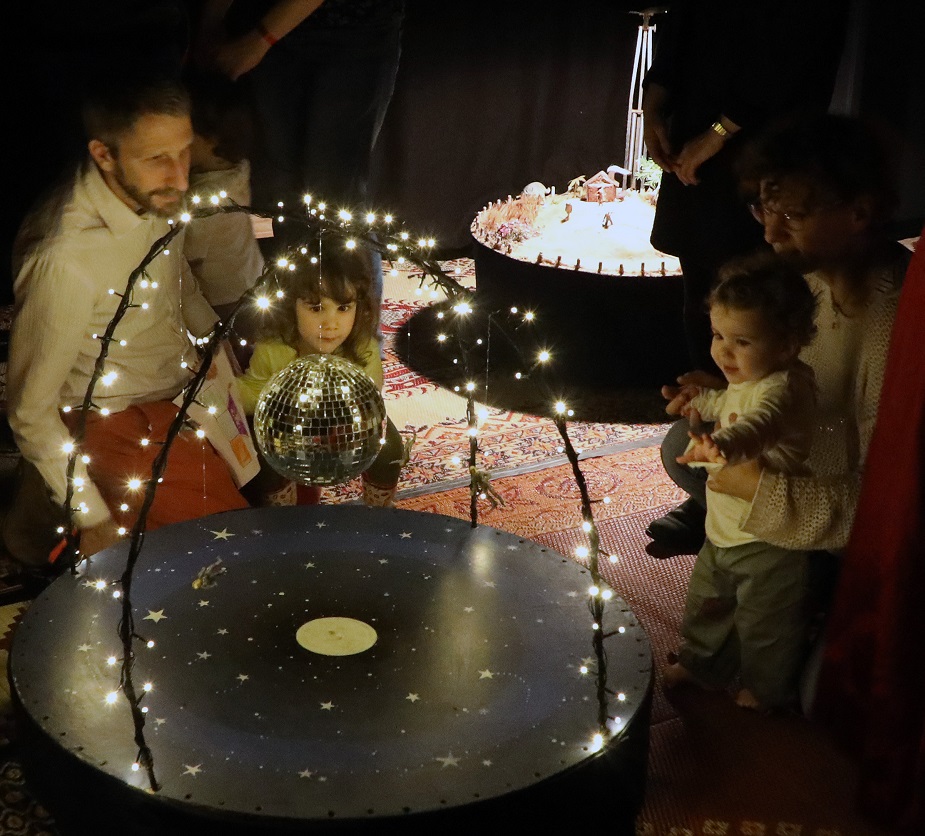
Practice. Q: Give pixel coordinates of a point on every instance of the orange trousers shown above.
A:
(196, 481)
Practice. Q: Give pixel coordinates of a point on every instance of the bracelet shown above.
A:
(266, 34)
(719, 129)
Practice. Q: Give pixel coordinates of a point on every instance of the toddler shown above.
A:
(746, 611)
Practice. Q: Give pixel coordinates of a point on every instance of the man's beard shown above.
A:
(144, 199)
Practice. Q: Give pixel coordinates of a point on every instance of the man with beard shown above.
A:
(72, 259)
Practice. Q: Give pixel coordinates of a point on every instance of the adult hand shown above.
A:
(694, 153)
(240, 56)
(98, 537)
(703, 379)
(739, 480)
(678, 398)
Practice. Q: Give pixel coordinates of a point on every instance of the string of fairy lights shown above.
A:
(401, 252)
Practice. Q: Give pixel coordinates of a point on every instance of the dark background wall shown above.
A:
(490, 96)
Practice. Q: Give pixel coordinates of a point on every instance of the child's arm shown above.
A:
(268, 359)
(783, 418)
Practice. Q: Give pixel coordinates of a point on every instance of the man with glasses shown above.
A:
(824, 200)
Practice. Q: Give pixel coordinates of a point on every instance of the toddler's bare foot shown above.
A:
(675, 674)
(746, 699)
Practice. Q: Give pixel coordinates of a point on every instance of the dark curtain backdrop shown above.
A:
(492, 95)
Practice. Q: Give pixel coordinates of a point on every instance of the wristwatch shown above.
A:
(718, 128)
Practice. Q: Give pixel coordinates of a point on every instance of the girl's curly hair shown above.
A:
(339, 274)
(763, 282)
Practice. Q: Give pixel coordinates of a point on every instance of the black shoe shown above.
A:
(680, 531)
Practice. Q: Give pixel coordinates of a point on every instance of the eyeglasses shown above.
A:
(792, 220)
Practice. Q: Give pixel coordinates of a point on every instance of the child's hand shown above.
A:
(703, 451)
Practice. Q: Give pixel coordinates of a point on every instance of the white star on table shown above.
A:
(321, 524)
(483, 711)
(89, 584)
(513, 548)
(405, 535)
(384, 560)
(204, 654)
(154, 616)
(243, 677)
(588, 661)
(203, 603)
(486, 674)
(84, 648)
(486, 763)
(412, 698)
(306, 773)
(192, 770)
(489, 583)
(468, 609)
(159, 721)
(224, 534)
(572, 594)
(309, 565)
(222, 631)
(449, 760)
(327, 706)
(322, 778)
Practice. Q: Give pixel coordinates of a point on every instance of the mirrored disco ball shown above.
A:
(319, 420)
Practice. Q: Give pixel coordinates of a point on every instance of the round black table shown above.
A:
(603, 329)
(477, 695)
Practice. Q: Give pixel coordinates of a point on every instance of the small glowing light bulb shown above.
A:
(116, 593)
(121, 530)
(150, 643)
(263, 303)
(111, 661)
(344, 215)
(212, 410)
(101, 584)
(111, 697)
(583, 669)
(456, 460)
(322, 206)
(214, 200)
(529, 315)
(223, 194)
(185, 217)
(200, 433)
(147, 687)
(134, 484)
(441, 338)
(543, 356)
(135, 767)
(581, 551)
(307, 199)
(586, 526)
(370, 218)
(514, 309)
(351, 244)
(470, 386)
(197, 199)
(388, 219)
(109, 378)
(593, 591)
(104, 411)
(68, 447)
(282, 262)
(145, 442)
(560, 407)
